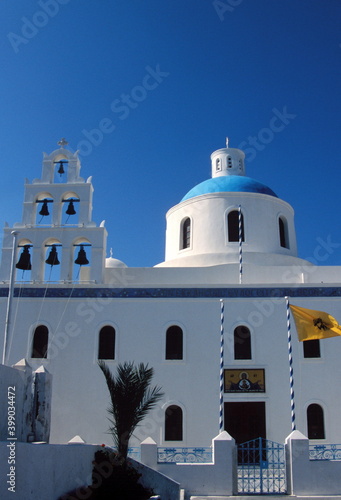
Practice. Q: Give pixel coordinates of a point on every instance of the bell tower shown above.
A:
(57, 240)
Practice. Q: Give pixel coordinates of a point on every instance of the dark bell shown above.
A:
(24, 261)
(61, 170)
(52, 259)
(81, 259)
(44, 209)
(70, 209)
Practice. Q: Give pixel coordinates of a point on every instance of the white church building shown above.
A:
(230, 241)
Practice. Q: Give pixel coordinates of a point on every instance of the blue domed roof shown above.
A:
(229, 184)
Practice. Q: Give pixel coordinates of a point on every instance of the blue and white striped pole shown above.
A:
(292, 394)
(240, 239)
(221, 408)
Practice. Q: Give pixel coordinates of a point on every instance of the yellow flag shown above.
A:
(311, 325)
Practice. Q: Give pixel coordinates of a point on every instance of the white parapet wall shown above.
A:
(164, 487)
(33, 471)
(26, 401)
(309, 477)
(216, 478)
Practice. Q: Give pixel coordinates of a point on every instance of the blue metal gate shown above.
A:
(261, 468)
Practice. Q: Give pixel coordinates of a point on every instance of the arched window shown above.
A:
(283, 232)
(60, 170)
(233, 225)
(173, 423)
(315, 422)
(23, 264)
(106, 343)
(70, 209)
(82, 259)
(40, 342)
(185, 234)
(44, 209)
(242, 343)
(174, 343)
(53, 255)
(218, 164)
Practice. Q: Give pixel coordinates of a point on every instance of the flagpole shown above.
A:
(221, 406)
(240, 239)
(10, 295)
(291, 371)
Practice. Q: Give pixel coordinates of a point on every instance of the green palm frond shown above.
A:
(131, 399)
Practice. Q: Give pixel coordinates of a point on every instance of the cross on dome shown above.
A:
(63, 142)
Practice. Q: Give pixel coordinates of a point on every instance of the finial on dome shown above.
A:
(227, 161)
(63, 142)
(111, 253)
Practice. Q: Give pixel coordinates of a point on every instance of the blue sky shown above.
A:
(221, 68)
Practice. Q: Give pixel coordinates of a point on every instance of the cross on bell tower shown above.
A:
(63, 142)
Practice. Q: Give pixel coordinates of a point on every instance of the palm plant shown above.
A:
(131, 400)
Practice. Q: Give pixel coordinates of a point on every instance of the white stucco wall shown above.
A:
(192, 383)
(310, 477)
(44, 471)
(209, 232)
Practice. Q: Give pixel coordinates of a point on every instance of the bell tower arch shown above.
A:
(57, 211)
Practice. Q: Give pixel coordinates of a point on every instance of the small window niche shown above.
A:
(311, 348)
(283, 232)
(185, 236)
(106, 342)
(174, 342)
(40, 342)
(315, 422)
(242, 342)
(233, 226)
(173, 423)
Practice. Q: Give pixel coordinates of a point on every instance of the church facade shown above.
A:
(231, 247)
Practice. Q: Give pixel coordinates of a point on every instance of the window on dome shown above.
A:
(185, 234)
(315, 422)
(311, 348)
(218, 164)
(106, 343)
(233, 226)
(40, 342)
(174, 343)
(283, 232)
(242, 343)
(229, 162)
(173, 423)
